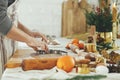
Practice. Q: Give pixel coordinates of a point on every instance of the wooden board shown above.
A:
(17, 58)
(73, 17)
(20, 55)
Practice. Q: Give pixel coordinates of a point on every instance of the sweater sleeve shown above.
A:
(5, 22)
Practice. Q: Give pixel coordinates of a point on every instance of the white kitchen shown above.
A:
(68, 27)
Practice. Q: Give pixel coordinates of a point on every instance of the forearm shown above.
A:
(31, 33)
(18, 35)
(24, 29)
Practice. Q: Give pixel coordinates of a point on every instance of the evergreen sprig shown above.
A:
(88, 77)
(103, 45)
(101, 18)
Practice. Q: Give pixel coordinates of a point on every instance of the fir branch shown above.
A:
(104, 45)
(93, 77)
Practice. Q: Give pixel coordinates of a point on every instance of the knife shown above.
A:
(51, 51)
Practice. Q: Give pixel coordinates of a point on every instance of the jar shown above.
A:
(84, 69)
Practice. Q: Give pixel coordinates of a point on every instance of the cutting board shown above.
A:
(18, 57)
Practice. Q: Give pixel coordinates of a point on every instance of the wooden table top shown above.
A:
(17, 57)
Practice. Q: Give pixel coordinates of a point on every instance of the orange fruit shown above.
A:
(66, 63)
(81, 45)
(75, 41)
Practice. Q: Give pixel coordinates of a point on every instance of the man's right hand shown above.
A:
(35, 44)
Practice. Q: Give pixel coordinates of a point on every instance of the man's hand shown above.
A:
(39, 35)
(18, 35)
(35, 44)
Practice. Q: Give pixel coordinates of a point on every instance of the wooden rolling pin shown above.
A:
(38, 64)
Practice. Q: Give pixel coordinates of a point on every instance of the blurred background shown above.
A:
(43, 15)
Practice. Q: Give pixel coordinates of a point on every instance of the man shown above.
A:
(20, 33)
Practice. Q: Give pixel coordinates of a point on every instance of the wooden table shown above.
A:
(14, 71)
(18, 56)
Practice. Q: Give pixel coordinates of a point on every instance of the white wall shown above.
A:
(43, 15)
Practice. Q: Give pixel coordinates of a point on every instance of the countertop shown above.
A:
(16, 72)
